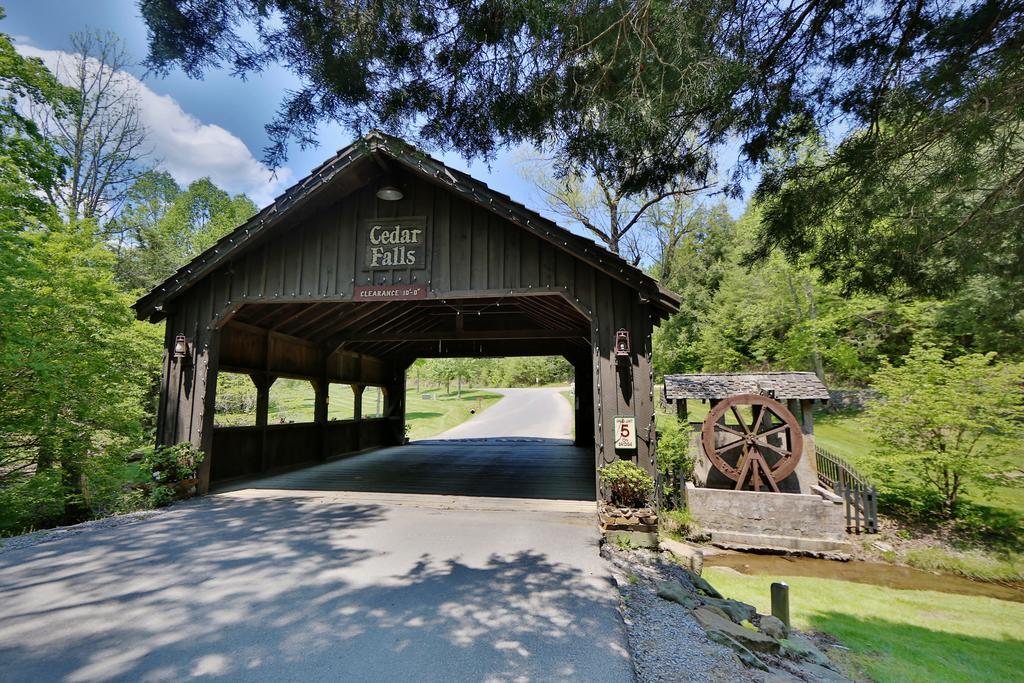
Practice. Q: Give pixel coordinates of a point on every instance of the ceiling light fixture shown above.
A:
(389, 193)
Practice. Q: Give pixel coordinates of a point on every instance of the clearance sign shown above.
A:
(390, 243)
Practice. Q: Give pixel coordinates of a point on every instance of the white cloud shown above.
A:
(186, 147)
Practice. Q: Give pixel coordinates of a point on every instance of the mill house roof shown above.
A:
(780, 385)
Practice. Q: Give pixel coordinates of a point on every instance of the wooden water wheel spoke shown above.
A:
(729, 446)
(739, 418)
(751, 466)
(758, 417)
(775, 430)
(729, 430)
(781, 451)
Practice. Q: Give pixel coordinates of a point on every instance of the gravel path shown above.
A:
(666, 642)
(37, 537)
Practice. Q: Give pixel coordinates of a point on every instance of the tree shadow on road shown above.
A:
(265, 590)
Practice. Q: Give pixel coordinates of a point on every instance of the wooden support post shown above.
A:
(394, 405)
(681, 412)
(357, 414)
(320, 388)
(807, 415)
(583, 401)
(807, 470)
(263, 382)
(203, 408)
(357, 409)
(624, 386)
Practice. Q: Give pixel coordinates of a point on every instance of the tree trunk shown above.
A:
(812, 308)
(71, 465)
(46, 456)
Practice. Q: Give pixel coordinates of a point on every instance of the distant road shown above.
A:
(541, 413)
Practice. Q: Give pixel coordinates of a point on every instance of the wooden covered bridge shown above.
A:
(380, 256)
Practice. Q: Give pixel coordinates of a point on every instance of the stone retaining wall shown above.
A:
(785, 521)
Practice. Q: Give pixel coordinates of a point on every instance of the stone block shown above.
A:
(677, 592)
(773, 626)
(748, 638)
(634, 539)
(690, 556)
(754, 519)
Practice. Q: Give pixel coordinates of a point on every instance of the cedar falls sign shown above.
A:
(395, 243)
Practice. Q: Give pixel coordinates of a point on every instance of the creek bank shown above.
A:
(859, 571)
(681, 629)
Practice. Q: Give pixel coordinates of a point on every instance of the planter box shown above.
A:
(637, 526)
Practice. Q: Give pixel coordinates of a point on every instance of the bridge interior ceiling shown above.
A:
(512, 325)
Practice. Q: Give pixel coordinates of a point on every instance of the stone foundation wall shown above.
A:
(792, 521)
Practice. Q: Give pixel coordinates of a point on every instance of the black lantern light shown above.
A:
(622, 344)
(180, 347)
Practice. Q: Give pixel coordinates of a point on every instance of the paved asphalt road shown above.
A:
(314, 586)
(541, 413)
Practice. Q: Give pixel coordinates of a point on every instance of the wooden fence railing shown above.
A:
(860, 497)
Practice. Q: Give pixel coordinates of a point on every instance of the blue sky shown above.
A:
(212, 126)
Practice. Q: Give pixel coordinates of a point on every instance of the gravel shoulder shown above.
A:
(45, 535)
(666, 642)
(679, 639)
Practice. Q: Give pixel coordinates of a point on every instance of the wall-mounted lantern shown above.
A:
(180, 347)
(622, 344)
(390, 193)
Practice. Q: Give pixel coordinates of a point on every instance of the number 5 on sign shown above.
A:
(625, 433)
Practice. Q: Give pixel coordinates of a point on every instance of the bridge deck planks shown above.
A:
(510, 468)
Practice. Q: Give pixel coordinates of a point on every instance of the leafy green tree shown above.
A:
(74, 364)
(780, 315)
(635, 83)
(143, 243)
(526, 371)
(923, 192)
(29, 163)
(458, 370)
(693, 267)
(442, 370)
(947, 423)
(649, 87)
(162, 226)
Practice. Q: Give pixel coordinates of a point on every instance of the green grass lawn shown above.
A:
(291, 400)
(848, 436)
(430, 417)
(898, 635)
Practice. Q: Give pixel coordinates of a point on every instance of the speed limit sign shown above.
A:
(625, 432)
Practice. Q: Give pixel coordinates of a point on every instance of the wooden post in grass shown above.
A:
(780, 602)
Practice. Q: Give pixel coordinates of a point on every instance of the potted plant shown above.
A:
(630, 491)
(173, 469)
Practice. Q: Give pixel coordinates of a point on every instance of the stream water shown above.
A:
(873, 573)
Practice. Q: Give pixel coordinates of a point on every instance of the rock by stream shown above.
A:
(681, 629)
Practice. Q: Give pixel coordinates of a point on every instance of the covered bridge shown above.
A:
(380, 256)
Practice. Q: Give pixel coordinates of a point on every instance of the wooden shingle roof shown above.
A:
(781, 385)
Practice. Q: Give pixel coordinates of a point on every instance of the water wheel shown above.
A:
(752, 438)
